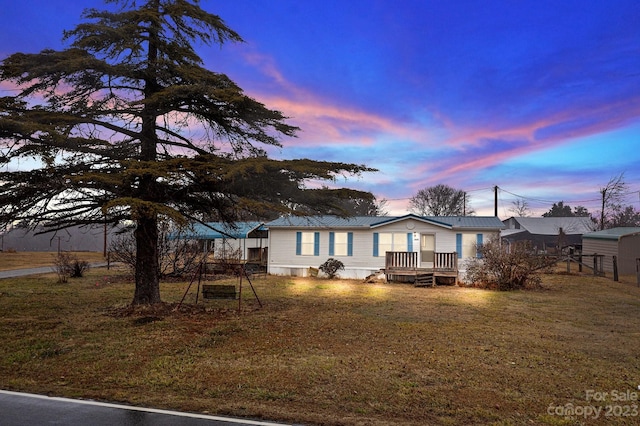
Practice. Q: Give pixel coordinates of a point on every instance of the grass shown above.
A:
(16, 260)
(330, 352)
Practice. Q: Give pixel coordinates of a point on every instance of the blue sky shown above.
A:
(540, 98)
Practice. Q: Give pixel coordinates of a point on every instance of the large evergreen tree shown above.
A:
(127, 124)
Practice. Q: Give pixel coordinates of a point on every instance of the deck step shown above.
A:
(424, 280)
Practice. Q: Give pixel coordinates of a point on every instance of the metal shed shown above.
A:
(622, 242)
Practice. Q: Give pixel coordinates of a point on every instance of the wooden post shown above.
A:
(595, 264)
(240, 291)
(580, 262)
(615, 268)
(638, 271)
(568, 264)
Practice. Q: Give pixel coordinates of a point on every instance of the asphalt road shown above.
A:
(24, 272)
(23, 409)
(35, 271)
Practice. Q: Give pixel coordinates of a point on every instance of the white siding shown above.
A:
(284, 261)
(445, 238)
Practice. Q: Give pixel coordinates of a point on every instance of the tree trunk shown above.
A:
(147, 263)
(147, 273)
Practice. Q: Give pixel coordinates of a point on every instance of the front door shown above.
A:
(427, 250)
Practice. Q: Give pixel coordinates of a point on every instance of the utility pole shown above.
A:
(464, 204)
(604, 196)
(104, 241)
(495, 201)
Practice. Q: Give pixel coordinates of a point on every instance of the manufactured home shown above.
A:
(366, 245)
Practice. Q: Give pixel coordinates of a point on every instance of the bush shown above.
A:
(331, 267)
(507, 269)
(69, 266)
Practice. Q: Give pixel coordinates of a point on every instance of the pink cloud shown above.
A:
(320, 120)
(325, 123)
(475, 144)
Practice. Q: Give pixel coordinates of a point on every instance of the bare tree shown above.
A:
(440, 200)
(520, 208)
(177, 255)
(612, 196)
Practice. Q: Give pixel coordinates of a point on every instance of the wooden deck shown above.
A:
(405, 264)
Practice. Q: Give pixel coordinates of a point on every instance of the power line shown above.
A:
(626, 194)
(544, 201)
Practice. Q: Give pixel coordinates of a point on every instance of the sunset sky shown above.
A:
(540, 98)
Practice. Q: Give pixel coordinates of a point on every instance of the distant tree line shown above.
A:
(612, 214)
(444, 200)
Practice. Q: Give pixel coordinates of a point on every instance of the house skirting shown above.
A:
(400, 274)
(301, 271)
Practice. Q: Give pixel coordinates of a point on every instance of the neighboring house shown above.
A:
(361, 243)
(545, 232)
(624, 243)
(93, 238)
(247, 239)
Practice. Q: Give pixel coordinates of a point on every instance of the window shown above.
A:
(307, 243)
(340, 243)
(391, 241)
(467, 244)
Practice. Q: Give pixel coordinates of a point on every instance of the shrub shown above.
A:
(69, 266)
(507, 269)
(331, 267)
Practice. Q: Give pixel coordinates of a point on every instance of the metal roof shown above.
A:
(510, 232)
(552, 225)
(426, 219)
(613, 233)
(334, 222)
(220, 230)
(474, 222)
(326, 222)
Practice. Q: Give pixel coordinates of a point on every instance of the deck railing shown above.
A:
(408, 260)
(448, 261)
(401, 260)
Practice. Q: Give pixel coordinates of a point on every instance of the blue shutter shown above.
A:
(409, 241)
(350, 244)
(459, 245)
(478, 244)
(375, 244)
(332, 243)
(298, 243)
(316, 244)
